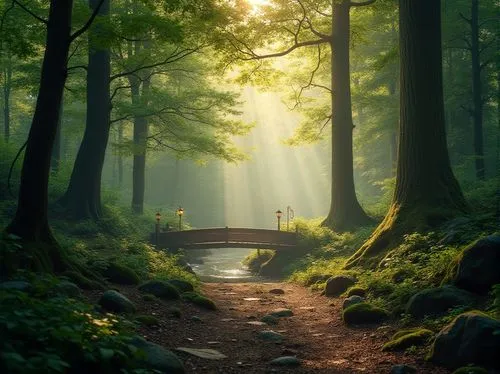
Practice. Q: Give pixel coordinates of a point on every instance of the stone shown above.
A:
(181, 285)
(358, 291)
(477, 269)
(67, 288)
(403, 369)
(161, 289)
(113, 301)
(281, 312)
(199, 300)
(355, 299)
(471, 338)
(437, 301)
(338, 284)
(270, 319)
(256, 323)
(196, 319)
(270, 336)
(406, 338)
(318, 278)
(286, 361)
(159, 358)
(16, 286)
(120, 274)
(364, 313)
(277, 291)
(207, 353)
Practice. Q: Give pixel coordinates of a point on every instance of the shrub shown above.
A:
(254, 261)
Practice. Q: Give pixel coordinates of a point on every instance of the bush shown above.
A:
(253, 261)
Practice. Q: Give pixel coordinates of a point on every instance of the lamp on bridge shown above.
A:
(157, 228)
(279, 213)
(180, 212)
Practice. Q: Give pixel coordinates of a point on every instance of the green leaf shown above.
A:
(106, 353)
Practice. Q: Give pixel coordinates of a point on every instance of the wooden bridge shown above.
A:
(225, 238)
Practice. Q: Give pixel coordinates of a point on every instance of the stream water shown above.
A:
(221, 265)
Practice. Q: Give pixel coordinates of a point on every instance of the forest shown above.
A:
(249, 186)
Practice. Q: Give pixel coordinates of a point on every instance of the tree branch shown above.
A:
(88, 23)
(23, 7)
(364, 3)
(468, 20)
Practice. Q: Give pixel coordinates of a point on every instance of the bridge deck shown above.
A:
(225, 238)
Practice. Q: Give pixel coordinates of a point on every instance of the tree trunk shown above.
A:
(393, 134)
(56, 150)
(31, 222)
(83, 196)
(477, 92)
(345, 211)
(427, 192)
(120, 156)
(7, 79)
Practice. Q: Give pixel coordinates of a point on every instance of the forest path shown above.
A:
(315, 333)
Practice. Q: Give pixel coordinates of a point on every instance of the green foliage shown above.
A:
(43, 332)
(495, 306)
(471, 370)
(406, 338)
(256, 258)
(199, 300)
(358, 291)
(81, 281)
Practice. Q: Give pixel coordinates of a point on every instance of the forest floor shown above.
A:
(315, 333)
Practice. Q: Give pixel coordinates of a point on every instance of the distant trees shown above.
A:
(426, 190)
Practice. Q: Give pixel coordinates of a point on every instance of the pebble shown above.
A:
(277, 291)
(286, 361)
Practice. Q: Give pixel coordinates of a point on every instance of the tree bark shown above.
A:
(345, 211)
(83, 195)
(427, 192)
(7, 78)
(31, 222)
(56, 151)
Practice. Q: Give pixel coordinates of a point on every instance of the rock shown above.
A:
(437, 301)
(199, 300)
(338, 284)
(270, 319)
(355, 299)
(471, 370)
(406, 338)
(16, 286)
(161, 289)
(281, 312)
(82, 281)
(120, 274)
(181, 285)
(113, 301)
(403, 369)
(358, 291)
(209, 354)
(277, 291)
(286, 361)
(471, 338)
(477, 269)
(147, 320)
(318, 278)
(69, 289)
(148, 297)
(270, 336)
(159, 358)
(196, 319)
(256, 323)
(364, 313)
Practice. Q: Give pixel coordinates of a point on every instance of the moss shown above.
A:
(82, 281)
(356, 291)
(147, 320)
(121, 274)
(254, 261)
(161, 289)
(148, 297)
(471, 370)
(199, 300)
(364, 313)
(406, 338)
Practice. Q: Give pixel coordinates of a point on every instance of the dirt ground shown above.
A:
(315, 333)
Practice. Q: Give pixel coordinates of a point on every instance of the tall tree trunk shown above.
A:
(427, 192)
(345, 211)
(120, 156)
(477, 97)
(56, 150)
(83, 196)
(393, 134)
(7, 79)
(31, 222)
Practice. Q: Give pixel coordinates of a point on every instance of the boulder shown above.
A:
(120, 274)
(318, 278)
(358, 291)
(199, 300)
(364, 313)
(471, 338)
(161, 289)
(437, 301)
(181, 285)
(355, 299)
(406, 338)
(403, 369)
(113, 301)
(67, 288)
(338, 284)
(159, 358)
(16, 286)
(477, 269)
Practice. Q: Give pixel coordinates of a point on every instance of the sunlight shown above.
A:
(257, 4)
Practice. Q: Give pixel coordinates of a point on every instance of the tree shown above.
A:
(311, 25)
(427, 192)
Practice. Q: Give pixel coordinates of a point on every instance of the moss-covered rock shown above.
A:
(181, 285)
(471, 370)
(317, 278)
(270, 319)
(147, 320)
(472, 337)
(364, 313)
(437, 301)
(113, 301)
(282, 312)
(120, 274)
(406, 338)
(199, 300)
(356, 291)
(161, 289)
(148, 297)
(159, 358)
(67, 288)
(338, 284)
(355, 299)
(82, 281)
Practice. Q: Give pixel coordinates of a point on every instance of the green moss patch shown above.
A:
(199, 300)
(147, 320)
(120, 274)
(356, 291)
(364, 313)
(406, 338)
(161, 289)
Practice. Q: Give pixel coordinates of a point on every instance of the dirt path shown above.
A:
(315, 333)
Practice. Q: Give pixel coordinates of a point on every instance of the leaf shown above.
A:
(210, 354)
(106, 353)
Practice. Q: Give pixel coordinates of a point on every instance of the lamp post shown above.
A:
(180, 212)
(289, 216)
(279, 213)
(157, 228)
